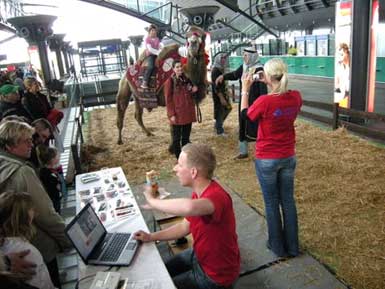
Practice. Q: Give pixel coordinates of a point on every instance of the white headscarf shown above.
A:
(218, 63)
(253, 60)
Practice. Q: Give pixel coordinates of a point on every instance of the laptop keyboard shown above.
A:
(99, 250)
(115, 248)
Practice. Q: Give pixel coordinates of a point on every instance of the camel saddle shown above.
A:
(148, 97)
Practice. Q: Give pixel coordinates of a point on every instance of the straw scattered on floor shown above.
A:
(340, 182)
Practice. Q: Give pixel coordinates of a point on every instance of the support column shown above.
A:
(55, 43)
(35, 29)
(359, 54)
(136, 41)
(65, 54)
(126, 45)
(70, 52)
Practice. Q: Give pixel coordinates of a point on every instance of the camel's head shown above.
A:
(195, 40)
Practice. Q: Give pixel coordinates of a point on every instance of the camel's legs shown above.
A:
(139, 118)
(122, 103)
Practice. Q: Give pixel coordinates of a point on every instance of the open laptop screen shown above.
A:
(85, 231)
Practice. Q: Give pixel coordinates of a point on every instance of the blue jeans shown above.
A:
(187, 273)
(276, 178)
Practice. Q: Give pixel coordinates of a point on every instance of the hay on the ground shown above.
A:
(340, 183)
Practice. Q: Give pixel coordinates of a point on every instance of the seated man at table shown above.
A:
(209, 216)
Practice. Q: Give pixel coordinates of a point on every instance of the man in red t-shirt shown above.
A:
(214, 260)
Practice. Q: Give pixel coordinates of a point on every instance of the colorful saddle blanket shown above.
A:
(148, 97)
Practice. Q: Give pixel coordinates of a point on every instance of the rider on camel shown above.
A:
(153, 48)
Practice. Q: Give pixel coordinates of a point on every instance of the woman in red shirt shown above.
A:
(275, 153)
(180, 106)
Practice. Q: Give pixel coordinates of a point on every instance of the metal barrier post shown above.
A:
(335, 115)
(233, 92)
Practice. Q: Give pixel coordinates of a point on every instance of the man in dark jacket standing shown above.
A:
(247, 128)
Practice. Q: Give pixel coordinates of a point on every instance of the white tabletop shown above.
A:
(147, 266)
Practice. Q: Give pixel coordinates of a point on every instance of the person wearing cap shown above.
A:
(10, 102)
(247, 128)
(153, 48)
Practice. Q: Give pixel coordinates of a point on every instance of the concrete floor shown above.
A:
(260, 268)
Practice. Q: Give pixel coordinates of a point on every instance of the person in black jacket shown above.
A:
(10, 103)
(221, 99)
(35, 102)
(49, 160)
(247, 128)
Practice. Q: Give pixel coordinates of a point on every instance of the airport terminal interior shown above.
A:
(100, 75)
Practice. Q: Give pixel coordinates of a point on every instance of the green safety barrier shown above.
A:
(309, 65)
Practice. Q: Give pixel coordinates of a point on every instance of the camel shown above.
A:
(195, 68)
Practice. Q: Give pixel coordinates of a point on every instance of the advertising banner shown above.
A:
(342, 54)
(34, 68)
(372, 55)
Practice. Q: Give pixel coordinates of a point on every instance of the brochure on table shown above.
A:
(109, 194)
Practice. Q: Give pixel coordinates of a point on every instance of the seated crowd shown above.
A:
(31, 186)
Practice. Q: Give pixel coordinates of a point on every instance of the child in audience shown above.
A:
(49, 173)
(16, 230)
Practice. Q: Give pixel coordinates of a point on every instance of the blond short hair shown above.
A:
(29, 81)
(12, 131)
(276, 69)
(202, 157)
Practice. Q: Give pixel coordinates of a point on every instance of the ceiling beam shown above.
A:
(230, 26)
(128, 11)
(308, 5)
(8, 39)
(244, 14)
(278, 4)
(293, 7)
(7, 27)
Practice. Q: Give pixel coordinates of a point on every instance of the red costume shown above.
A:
(179, 101)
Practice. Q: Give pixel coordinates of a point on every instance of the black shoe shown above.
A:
(281, 256)
(181, 241)
(241, 156)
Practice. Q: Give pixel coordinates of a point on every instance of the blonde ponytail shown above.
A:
(276, 69)
(282, 87)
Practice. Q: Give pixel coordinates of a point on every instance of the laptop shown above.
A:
(97, 247)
